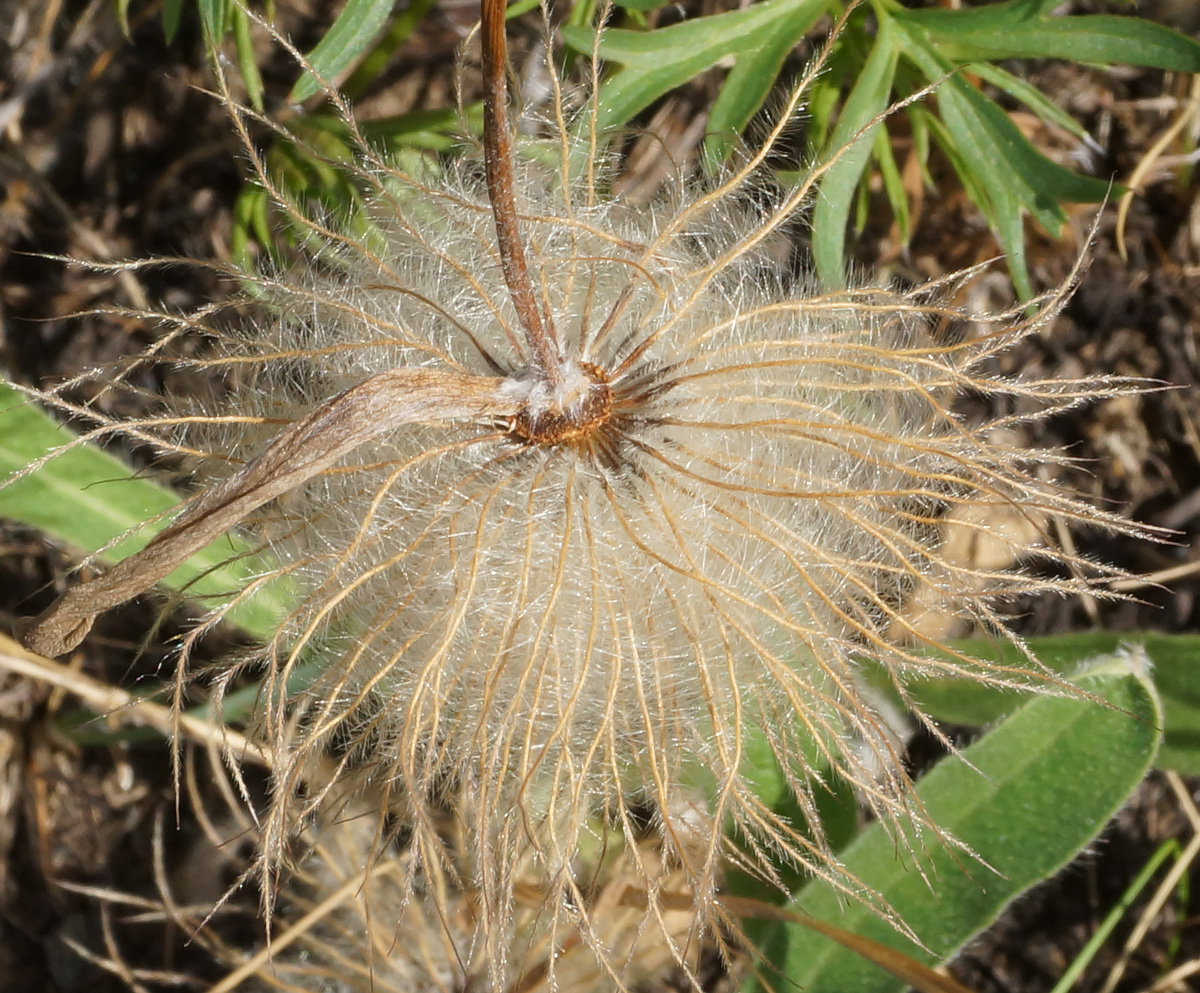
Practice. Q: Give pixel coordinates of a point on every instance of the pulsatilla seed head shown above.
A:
(559, 575)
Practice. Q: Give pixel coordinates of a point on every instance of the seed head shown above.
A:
(584, 499)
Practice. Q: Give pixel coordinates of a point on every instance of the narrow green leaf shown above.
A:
(822, 100)
(247, 63)
(995, 18)
(866, 101)
(172, 13)
(836, 807)
(1168, 849)
(988, 19)
(123, 17)
(434, 130)
(1011, 175)
(520, 7)
(893, 183)
(398, 32)
(1104, 39)
(654, 62)
(751, 78)
(1030, 95)
(250, 221)
(348, 37)
(919, 117)
(1025, 799)
(643, 6)
(214, 17)
(87, 498)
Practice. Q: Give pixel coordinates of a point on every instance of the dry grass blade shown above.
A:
(127, 708)
(1165, 888)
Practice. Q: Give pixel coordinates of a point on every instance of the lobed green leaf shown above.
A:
(654, 62)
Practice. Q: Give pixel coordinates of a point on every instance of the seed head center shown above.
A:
(571, 413)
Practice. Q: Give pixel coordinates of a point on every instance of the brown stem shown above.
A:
(497, 160)
(374, 407)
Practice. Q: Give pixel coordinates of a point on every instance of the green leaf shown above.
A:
(643, 6)
(920, 119)
(833, 798)
(376, 60)
(172, 14)
(1030, 95)
(87, 498)
(434, 130)
(749, 82)
(850, 142)
(1011, 176)
(348, 37)
(1168, 849)
(123, 17)
(1103, 39)
(893, 183)
(1176, 674)
(520, 7)
(214, 18)
(250, 220)
(654, 62)
(247, 63)
(1025, 799)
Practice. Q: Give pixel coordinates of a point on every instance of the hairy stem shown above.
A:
(497, 158)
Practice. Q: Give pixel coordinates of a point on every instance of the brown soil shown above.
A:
(110, 149)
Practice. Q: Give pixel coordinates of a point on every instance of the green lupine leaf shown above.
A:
(866, 102)
(348, 37)
(1025, 799)
(86, 498)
